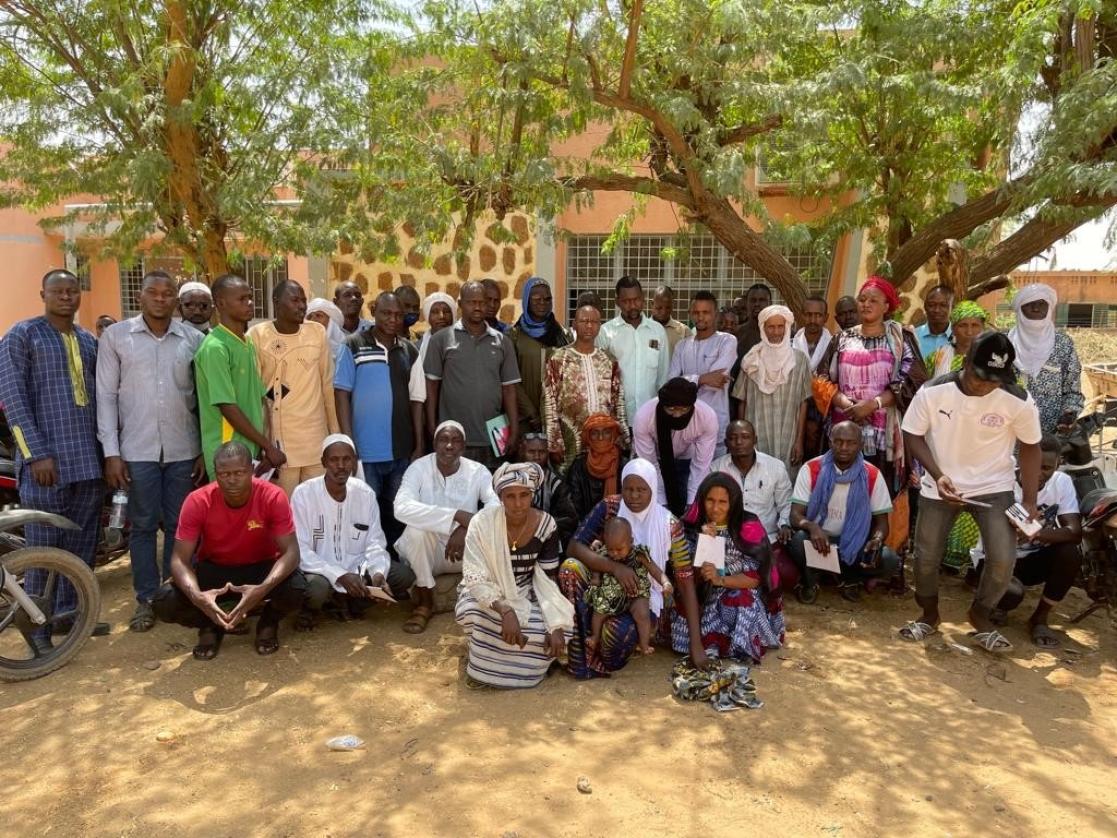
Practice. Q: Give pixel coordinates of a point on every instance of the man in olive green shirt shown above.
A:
(230, 392)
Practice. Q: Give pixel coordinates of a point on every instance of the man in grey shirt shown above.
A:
(148, 426)
(471, 374)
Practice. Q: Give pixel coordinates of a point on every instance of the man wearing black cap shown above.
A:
(679, 434)
(963, 427)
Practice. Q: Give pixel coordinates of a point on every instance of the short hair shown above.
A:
(617, 525)
(231, 451)
(280, 287)
(471, 284)
(108, 317)
(758, 286)
(385, 296)
(224, 282)
(664, 290)
(1049, 443)
(59, 272)
(708, 296)
(489, 282)
(157, 275)
(848, 298)
(405, 291)
(817, 298)
(343, 283)
(626, 282)
(941, 289)
(750, 425)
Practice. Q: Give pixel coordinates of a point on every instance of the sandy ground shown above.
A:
(860, 735)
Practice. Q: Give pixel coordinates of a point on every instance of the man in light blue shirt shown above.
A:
(638, 343)
(935, 333)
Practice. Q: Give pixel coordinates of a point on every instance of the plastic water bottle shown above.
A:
(118, 517)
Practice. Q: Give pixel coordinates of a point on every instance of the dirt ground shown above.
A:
(860, 734)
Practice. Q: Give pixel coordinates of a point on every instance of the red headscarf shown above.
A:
(885, 287)
(602, 456)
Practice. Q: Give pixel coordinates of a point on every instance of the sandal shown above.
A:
(1044, 638)
(851, 592)
(807, 594)
(991, 641)
(417, 622)
(267, 645)
(473, 684)
(209, 644)
(305, 620)
(917, 631)
(143, 619)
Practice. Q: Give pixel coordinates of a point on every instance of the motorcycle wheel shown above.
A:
(64, 564)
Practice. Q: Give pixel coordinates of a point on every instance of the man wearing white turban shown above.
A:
(195, 304)
(1046, 358)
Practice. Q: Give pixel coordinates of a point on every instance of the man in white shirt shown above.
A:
(1051, 558)
(639, 344)
(963, 428)
(436, 501)
(765, 486)
(342, 550)
(707, 359)
(840, 501)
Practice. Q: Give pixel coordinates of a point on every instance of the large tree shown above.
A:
(183, 117)
(903, 118)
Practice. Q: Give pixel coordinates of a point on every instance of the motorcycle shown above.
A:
(23, 615)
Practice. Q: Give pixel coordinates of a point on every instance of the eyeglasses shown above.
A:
(533, 435)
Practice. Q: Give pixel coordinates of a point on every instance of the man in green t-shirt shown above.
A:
(230, 392)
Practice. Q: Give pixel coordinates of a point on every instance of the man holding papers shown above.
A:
(839, 511)
(342, 549)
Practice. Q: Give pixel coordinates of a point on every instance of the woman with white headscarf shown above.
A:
(657, 529)
(330, 318)
(513, 613)
(439, 310)
(773, 388)
(1046, 358)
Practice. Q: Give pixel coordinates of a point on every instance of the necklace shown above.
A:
(516, 539)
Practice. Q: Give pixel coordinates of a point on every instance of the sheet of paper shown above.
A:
(711, 550)
(817, 560)
(379, 593)
(261, 471)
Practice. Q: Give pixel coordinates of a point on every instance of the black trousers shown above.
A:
(173, 606)
(1054, 566)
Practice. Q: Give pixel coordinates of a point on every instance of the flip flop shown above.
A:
(267, 645)
(1044, 638)
(306, 620)
(207, 651)
(417, 622)
(917, 631)
(992, 641)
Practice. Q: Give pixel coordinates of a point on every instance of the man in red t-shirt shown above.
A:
(236, 538)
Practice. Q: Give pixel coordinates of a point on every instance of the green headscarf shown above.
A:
(968, 308)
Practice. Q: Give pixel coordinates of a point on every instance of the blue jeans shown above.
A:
(155, 495)
(384, 479)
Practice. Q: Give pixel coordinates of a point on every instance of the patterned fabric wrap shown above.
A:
(726, 685)
(608, 597)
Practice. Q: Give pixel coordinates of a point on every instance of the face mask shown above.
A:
(410, 320)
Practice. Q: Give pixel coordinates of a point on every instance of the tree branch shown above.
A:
(629, 61)
(616, 182)
(747, 130)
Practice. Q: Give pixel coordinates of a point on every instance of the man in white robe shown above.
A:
(436, 501)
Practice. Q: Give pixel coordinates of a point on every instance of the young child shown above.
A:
(606, 596)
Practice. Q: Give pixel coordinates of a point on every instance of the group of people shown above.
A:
(601, 488)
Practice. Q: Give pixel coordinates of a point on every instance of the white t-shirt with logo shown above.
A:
(973, 438)
(880, 501)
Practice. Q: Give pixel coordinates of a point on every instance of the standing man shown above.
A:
(493, 298)
(148, 427)
(348, 297)
(297, 369)
(408, 298)
(757, 298)
(639, 344)
(935, 333)
(706, 359)
(230, 392)
(373, 404)
(678, 433)
(195, 304)
(471, 376)
(765, 486)
(663, 304)
(813, 340)
(963, 427)
(846, 314)
(48, 389)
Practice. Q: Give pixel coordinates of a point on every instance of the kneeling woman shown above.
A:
(513, 613)
(742, 608)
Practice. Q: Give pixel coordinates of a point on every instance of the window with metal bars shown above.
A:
(701, 263)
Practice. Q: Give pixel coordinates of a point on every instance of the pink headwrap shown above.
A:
(885, 287)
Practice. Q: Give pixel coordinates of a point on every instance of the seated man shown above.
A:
(839, 499)
(342, 550)
(765, 486)
(235, 538)
(552, 496)
(435, 502)
(1051, 558)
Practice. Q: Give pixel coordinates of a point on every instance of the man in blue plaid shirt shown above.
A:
(47, 373)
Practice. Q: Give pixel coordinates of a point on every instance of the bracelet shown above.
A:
(880, 404)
